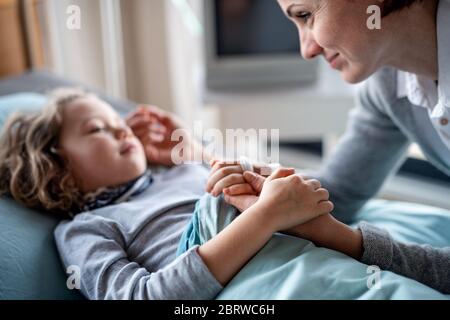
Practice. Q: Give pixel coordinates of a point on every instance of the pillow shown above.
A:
(30, 267)
(21, 102)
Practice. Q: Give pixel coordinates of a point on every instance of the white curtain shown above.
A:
(149, 51)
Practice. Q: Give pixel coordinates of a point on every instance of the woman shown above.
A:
(406, 99)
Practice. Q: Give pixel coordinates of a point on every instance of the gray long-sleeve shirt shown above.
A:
(128, 251)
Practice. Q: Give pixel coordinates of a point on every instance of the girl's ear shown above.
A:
(57, 151)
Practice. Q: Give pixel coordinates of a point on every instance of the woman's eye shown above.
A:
(303, 15)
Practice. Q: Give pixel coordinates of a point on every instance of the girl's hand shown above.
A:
(227, 177)
(288, 200)
(154, 128)
(244, 201)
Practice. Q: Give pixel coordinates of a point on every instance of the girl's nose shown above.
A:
(309, 47)
(122, 132)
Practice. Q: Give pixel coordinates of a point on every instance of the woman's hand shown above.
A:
(154, 128)
(292, 200)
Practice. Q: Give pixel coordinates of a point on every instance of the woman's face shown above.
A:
(337, 29)
(101, 149)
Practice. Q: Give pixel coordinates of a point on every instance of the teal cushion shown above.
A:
(20, 102)
(30, 267)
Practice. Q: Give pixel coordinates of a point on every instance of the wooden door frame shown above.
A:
(22, 24)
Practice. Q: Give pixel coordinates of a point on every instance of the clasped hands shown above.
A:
(288, 199)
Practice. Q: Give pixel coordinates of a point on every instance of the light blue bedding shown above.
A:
(292, 268)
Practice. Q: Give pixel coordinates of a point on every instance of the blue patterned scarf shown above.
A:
(113, 195)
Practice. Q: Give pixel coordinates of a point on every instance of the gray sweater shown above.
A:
(379, 133)
(128, 251)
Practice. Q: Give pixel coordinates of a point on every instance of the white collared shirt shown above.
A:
(424, 92)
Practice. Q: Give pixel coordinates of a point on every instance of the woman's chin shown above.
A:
(353, 76)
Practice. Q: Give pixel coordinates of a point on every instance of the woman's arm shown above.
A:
(330, 233)
(373, 246)
(423, 263)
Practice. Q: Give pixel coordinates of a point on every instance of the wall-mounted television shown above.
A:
(250, 43)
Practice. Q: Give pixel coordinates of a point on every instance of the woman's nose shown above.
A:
(309, 47)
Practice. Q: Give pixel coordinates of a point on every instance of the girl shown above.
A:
(79, 157)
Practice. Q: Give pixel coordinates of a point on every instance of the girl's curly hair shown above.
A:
(31, 170)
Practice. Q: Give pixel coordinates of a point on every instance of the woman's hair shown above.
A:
(31, 170)
(389, 6)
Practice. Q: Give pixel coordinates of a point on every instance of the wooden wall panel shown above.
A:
(13, 56)
(34, 14)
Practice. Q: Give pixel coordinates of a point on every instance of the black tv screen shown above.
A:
(253, 27)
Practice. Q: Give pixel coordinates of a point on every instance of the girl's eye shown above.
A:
(96, 130)
(305, 16)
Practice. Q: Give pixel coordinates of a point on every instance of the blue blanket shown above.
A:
(293, 268)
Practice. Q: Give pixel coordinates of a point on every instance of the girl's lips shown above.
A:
(127, 147)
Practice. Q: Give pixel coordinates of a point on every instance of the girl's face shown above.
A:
(101, 149)
(337, 30)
